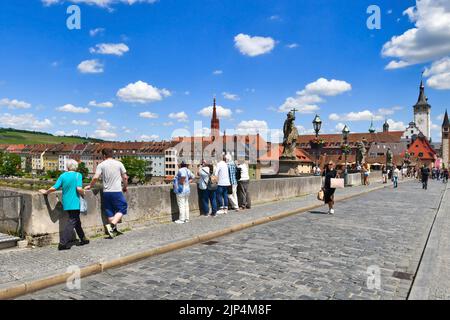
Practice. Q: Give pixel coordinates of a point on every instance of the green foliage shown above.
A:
(10, 164)
(135, 168)
(53, 174)
(83, 170)
(13, 136)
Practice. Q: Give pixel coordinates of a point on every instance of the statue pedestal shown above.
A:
(288, 167)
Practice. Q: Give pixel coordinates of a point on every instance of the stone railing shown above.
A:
(43, 217)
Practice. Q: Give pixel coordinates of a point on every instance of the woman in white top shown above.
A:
(243, 183)
(223, 185)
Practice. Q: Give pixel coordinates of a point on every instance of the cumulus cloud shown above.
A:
(148, 115)
(396, 125)
(72, 109)
(307, 99)
(67, 134)
(221, 112)
(179, 116)
(217, 72)
(14, 104)
(251, 127)
(23, 121)
(253, 46)
(142, 92)
(116, 49)
(106, 104)
(439, 74)
(90, 66)
(103, 134)
(152, 137)
(427, 41)
(365, 115)
(292, 45)
(230, 96)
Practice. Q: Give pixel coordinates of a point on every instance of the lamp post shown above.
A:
(317, 125)
(345, 133)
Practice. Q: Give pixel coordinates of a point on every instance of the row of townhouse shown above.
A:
(41, 158)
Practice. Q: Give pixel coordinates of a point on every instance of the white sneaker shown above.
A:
(186, 221)
(179, 222)
(331, 211)
(219, 212)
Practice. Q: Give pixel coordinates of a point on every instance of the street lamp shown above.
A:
(317, 124)
(345, 133)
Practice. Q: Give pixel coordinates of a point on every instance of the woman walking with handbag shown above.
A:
(329, 173)
(72, 189)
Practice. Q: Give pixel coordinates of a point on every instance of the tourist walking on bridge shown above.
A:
(115, 184)
(232, 197)
(72, 188)
(395, 176)
(425, 173)
(329, 173)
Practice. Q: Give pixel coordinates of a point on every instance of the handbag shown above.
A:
(83, 206)
(321, 195)
(337, 184)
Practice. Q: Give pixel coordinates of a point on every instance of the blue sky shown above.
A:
(159, 64)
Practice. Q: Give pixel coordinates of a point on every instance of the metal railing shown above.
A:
(19, 218)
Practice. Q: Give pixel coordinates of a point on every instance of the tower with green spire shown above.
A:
(372, 129)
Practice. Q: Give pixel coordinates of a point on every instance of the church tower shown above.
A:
(422, 113)
(446, 141)
(386, 126)
(215, 123)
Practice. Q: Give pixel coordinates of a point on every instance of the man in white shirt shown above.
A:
(244, 181)
(113, 173)
(224, 184)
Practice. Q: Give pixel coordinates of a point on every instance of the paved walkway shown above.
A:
(305, 256)
(433, 279)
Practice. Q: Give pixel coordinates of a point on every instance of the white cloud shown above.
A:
(152, 137)
(439, 74)
(292, 45)
(148, 115)
(80, 122)
(73, 109)
(100, 3)
(23, 121)
(230, 96)
(427, 41)
(365, 115)
(90, 66)
(106, 104)
(239, 111)
(14, 104)
(253, 46)
(116, 49)
(96, 31)
(103, 124)
(103, 134)
(396, 126)
(67, 134)
(251, 127)
(275, 18)
(339, 127)
(168, 124)
(221, 112)
(179, 116)
(142, 92)
(217, 72)
(307, 99)
(389, 111)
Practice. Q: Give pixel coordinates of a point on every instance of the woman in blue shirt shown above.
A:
(71, 183)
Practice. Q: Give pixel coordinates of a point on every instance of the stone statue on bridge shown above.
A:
(389, 158)
(290, 137)
(361, 153)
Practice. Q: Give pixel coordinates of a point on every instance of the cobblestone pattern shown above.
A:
(307, 256)
(31, 264)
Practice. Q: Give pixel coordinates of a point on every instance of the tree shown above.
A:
(135, 168)
(83, 170)
(10, 164)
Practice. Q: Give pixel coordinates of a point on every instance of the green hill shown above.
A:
(13, 136)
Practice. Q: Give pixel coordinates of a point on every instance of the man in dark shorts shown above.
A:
(113, 174)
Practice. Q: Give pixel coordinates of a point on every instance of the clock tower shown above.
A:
(422, 113)
(446, 140)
